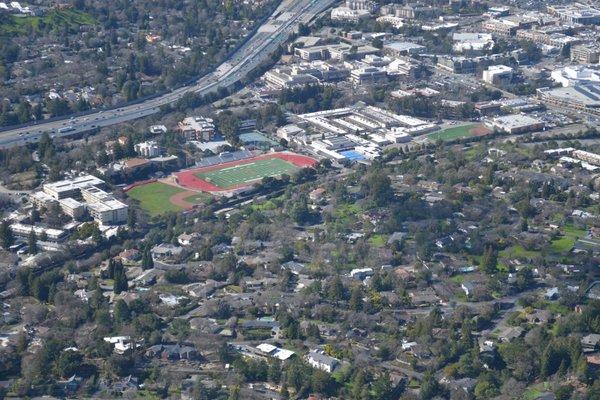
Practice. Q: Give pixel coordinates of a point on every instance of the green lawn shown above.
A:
(518, 251)
(452, 133)
(245, 173)
(54, 19)
(154, 197)
(378, 240)
(565, 243)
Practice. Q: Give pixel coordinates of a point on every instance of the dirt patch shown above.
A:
(480, 130)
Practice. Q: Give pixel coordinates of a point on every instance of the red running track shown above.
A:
(189, 179)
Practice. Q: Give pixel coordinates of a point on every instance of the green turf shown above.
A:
(245, 173)
(452, 133)
(54, 19)
(154, 197)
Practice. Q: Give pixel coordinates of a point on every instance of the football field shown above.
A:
(244, 173)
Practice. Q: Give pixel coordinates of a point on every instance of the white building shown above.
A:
(109, 212)
(318, 360)
(517, 123)
(498, 73)
(576, 75)
(472, 42)
(71, 187)
(72, 207)
(148, 149)
(197, 128)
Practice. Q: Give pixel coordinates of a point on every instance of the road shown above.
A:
(274, 32)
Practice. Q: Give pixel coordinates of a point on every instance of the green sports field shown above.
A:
(458, 132)
(244, 173)
(155, 197)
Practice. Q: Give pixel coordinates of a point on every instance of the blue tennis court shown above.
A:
(352, 155)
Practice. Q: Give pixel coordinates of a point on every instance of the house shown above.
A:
(361, 273)
(71, 384)
(275, 352)
(186, 239)
(552, 293)
(166, 251)
(590, 342)
(468, 288)
(321, 361)
(172, 352)
(121, 344)
(510, 333)
(129, 256)
(539, 317)
(126, 384)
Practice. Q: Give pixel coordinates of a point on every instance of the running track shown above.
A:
(188, 178)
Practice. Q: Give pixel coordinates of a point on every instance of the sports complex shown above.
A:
(224, 173)
(237, 174)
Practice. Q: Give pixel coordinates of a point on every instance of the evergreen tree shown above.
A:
(147, 261)
(6, 235)
(120, 279)
(489, 261)
(32, 243)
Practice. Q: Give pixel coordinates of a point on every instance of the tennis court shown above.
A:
(244, 173)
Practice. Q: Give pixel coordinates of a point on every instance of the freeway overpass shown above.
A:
(274, 32)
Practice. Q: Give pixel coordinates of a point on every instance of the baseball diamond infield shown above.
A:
(237, 174)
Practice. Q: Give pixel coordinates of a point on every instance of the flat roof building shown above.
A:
(71, 187)
(585, 98)
(517, 123)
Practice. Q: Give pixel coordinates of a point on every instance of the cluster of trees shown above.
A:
(308, 98)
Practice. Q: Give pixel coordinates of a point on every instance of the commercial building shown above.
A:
(576, 75)
(197, 128)
(397, 49)
(368, 75)
(472, 42)
(284, 78)
(497, 74)
(517, 123)
(584, 98)
(576, 13)
(585, 53)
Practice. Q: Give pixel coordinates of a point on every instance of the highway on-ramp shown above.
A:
(274, 32)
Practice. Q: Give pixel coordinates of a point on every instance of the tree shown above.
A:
(147, 261)
(356, 301)
(120, 279)
(131, 218)
(6, 235)
(121, 312)
(32, 242)
(489, 260)
(69, 363)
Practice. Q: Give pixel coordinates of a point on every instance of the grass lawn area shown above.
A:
(347, 210)
(458, 278)
(245, 173)
(456, 132)
(518, 251)
(198, 198)
(154, 197)
(563, 244)
(54, 19)
(378, 240)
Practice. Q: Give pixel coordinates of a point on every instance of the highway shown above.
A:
(274, 32)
